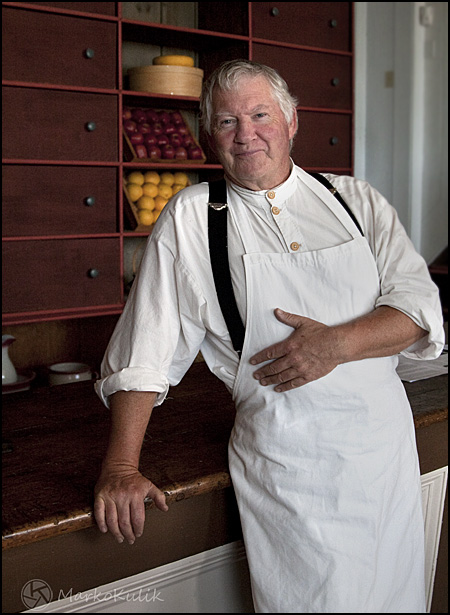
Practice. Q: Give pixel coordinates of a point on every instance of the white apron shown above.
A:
(326, 475)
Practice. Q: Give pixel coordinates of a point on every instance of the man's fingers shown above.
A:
(268, 354)
(274, 376)
(99, 514)
(112, 520)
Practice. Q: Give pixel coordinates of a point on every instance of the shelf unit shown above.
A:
(66, 244)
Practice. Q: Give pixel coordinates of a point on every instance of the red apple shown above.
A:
(129, 126)
(188, 141)
(152, 116)
(163, 140)
(145, 128)
(182, 129)
(141, 151)
(195, 153)
(167, 152)
(139, 115)
(164, 117)
(150, 139)
(177, 118)
(169, 129)
(154, 152)
(181, 153)
(136, 138)
(158, 128)
(126, 113)
(176, 140)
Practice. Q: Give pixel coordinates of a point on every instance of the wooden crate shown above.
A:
(131, 211)
(131, 155)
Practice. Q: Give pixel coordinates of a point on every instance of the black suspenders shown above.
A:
(218, 250)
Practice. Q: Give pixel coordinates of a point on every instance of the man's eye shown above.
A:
(260, 115)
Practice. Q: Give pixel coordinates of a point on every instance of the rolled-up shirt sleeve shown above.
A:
(160, 330)
(405, 281)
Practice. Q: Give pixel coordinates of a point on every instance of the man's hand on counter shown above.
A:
(119, 501)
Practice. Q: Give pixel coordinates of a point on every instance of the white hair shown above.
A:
(226, 77)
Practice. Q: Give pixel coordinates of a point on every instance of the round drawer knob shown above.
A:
(89, 53)
(334, 141)
(93, 273)
(335, 81)
(90, 201)
(274, 11)
(91, 126)
(333, 23)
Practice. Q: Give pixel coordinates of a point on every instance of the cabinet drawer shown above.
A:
(60, 273)
(315, 24)
(323, 140)
(316, 79)
(54, 125)
(100, 8)
(48, 48)
(52, 200)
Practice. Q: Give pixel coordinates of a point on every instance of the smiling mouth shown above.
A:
(247, 154)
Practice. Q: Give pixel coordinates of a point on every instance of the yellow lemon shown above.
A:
(160, 202)
(146, 217)
(136, 177)
(165, 191)
(152, 176)
(146, 202)
(167, 178)
(181, 178)
(177, 187)
(150, 189)
(134, 191)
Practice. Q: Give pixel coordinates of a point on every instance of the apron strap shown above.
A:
(218, 250)
(320, 178)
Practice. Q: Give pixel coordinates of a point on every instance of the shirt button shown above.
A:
(295, 246)
(275, 211)
(271, 194)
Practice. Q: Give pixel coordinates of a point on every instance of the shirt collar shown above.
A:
(274, 196)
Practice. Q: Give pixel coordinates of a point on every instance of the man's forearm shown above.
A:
(130, 414)
(382, 333)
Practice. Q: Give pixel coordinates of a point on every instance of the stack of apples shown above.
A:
(160, 135)
(149, 192)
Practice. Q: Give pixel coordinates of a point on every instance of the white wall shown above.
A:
(401, 122)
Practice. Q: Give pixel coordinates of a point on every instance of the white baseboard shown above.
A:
(434, 485)
(214, 581)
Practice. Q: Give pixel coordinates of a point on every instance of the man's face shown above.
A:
(251, 136)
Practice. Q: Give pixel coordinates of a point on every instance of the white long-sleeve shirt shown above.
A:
(172, 311)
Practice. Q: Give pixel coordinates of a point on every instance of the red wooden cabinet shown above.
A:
(64, 85)
(42, 200)
(58, 274)
(57, 49)
(323, 140)
(317, 79)
(58, 125)
(325, 25)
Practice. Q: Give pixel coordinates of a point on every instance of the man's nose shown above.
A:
(245, 131)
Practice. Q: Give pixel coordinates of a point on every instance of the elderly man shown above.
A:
(322, 454)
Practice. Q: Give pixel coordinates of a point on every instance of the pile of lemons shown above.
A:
(150, 191)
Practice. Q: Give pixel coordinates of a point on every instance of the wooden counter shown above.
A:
(56, 438)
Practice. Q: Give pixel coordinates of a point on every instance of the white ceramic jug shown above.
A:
(9, 374)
